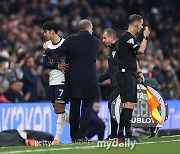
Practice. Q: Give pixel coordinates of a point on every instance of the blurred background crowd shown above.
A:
(22, 77)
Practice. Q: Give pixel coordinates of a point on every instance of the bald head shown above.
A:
(85, 24)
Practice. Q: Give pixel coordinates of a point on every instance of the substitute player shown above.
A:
(56, 77)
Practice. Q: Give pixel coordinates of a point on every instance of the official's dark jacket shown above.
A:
(113, 68)
(81, 52)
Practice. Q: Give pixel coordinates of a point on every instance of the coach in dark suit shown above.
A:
(81, 83)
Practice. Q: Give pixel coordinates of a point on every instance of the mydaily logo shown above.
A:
(116, 144)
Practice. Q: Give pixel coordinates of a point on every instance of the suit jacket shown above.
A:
(81, 51)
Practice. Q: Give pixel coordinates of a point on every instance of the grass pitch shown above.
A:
(147, 146)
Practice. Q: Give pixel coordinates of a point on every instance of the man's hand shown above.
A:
(146, 32)
(63, 66)
(45, 46)
(104, 120)
(27, 96)
(141, 77)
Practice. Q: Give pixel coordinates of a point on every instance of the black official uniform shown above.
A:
(81, 82)
(113, 68)
(111, 73)
(126, 61)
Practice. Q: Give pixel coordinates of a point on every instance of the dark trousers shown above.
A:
(79, 124)
(114, 124)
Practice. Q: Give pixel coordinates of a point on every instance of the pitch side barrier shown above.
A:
(41, 116)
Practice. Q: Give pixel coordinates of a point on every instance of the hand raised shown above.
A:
(146, 32)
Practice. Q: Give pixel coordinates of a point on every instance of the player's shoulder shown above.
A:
(61, 41)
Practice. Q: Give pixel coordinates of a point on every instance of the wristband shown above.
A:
(139, 73)
(145, 37)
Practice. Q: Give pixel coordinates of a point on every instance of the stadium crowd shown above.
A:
(22, 77)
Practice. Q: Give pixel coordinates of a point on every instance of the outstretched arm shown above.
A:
(58, 52)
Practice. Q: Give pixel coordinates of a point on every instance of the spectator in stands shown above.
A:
(171, 88)
(3, 98)
(21, 22)
(30, 79)
(14, 94)
(97, 124)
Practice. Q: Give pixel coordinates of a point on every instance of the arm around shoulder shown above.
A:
(60, 51)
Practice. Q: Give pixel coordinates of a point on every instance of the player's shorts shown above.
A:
(127, 83)
(56, 92)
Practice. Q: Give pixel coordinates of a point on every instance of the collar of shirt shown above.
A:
(113, 45)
